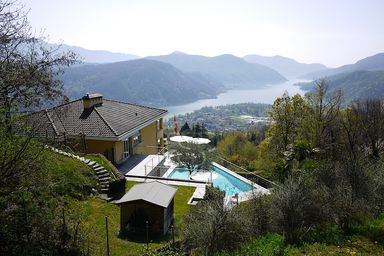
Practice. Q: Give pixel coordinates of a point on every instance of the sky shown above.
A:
(331, 32)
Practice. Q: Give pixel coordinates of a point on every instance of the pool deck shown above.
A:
(140, 171)
(141, 165)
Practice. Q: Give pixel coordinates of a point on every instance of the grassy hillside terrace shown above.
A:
(93, 210)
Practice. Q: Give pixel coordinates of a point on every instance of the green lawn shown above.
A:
(94, 211)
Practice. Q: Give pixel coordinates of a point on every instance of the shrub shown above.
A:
(268, 245)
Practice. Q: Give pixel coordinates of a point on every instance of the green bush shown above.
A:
(326, 234)
(372, 229)
(268, 245)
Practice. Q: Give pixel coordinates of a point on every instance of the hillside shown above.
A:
(96, 56)
(355, 85)
(286, 66)
(231, 71)
(226, 118)
(371, 63)
(140, 81)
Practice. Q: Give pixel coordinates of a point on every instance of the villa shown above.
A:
(93, 124)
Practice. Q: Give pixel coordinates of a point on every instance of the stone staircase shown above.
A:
(102, 174)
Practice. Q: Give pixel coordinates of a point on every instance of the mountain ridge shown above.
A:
(370, 63)
(141, 81)
(232, 71)
(288, 67)
(354, 85)
(95, 56)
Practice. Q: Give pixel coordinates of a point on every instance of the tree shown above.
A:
(204, 131)
(32, 208)
(236, 148)
(297, 207)
(33, 196)
(196, 130)
(185, 130)
(320, 125)
(209, 227)
(28, 68)
(190, 155)
(287, 116)
(370, 113)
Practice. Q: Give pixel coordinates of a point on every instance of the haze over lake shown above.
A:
(267, 94)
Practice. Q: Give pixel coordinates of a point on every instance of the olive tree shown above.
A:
(209, 227)
(190, 155)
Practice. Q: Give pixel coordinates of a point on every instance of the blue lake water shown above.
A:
(266, 94)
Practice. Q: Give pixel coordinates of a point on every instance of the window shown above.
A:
(126, 148)
(137, 138)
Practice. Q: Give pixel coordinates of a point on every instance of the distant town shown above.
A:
(226, 118)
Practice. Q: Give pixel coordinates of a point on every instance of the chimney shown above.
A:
(92, 100)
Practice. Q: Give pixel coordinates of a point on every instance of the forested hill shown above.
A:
(140, 81)
(286, 66)
(355, 85)
(371, 63)
(232, 71)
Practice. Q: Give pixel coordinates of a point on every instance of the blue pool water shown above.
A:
(224, 181)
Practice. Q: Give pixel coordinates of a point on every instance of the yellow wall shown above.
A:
(119, 150)
(149, 137)
(100, 146)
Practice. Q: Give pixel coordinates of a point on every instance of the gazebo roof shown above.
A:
(153, 192)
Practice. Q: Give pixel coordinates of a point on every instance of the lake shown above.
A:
(267, 94)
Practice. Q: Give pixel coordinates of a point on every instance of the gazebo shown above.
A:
(150, 202)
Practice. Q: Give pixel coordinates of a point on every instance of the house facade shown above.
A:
(96, 125)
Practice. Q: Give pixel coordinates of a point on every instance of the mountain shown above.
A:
(140, 81)
(96, 56)
(371, 63)
(355, 85)
(287, 67)
(231, 71)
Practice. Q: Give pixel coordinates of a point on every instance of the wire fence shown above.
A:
(247, 174)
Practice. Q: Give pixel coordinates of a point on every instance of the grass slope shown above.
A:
(94, 211)
(72, 177)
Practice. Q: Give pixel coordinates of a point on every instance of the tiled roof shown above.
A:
(110, 120)
(154, 192)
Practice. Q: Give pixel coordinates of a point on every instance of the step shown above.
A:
(94, 166)
(104, 190)
(96, 169)
(105, 182)
(105, 179)
(91, 163)
(105, 186)
(86, 161)
(105, 175)
(101, 172)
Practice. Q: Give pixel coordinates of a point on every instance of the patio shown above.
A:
(140, 165)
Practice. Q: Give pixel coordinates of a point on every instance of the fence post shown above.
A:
(147, 227)
(106, 230)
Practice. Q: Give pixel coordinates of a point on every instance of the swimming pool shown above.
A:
(220, 179)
